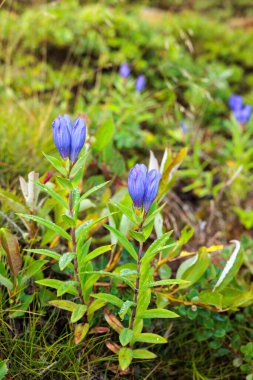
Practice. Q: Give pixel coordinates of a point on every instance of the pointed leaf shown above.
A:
(57, 164)
(65, 259)
(157, 313)
(97, 252)
(125, 357)
(143, 354)
(123, 240)
(50, 225)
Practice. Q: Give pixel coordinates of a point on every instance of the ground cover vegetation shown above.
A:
(126, 190)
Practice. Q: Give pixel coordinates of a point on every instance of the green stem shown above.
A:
(137, 284)
(73, 238)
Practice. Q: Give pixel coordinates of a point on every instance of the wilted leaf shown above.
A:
(10, 244)
(80, 332)
(113, 322)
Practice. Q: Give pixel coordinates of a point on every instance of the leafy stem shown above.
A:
(137, 284)
(73, 238)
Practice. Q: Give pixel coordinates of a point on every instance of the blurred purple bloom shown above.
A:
(69, 139)
(183, 127)
(241, 112)
(78, 138)
(243, 115)
(124, 70)
(143, 186)
(151, 188)
(140, 83)
(235, 102)
(61, 136)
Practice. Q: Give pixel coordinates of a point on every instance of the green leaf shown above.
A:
(3, 369)
(97, 252)
(152, 216)
(65, 183)
(6, 282)
(165, 282)
(57, 164)
(104, 134)
(53, 194)
(124, 309)
(211, 298)
(193, 269)
(93, 190)
(84, 228)
(231, 268)
(94, 306)
(155, 247)
(12, 201)
(64, 304)
(149, 338)
(32, 270)
(69, 221)
(123, 240)
(125, 336)
(139, 236)
(65, 259)
(62, 287)
(125, 357)
(128, 212)
(46, 252)
(157, 313)
(50, 225)
(79, 165)
(109, 298)
(143, 354)
(115, 275)
(78, 313)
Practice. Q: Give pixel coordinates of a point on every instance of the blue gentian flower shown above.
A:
(235, 102)
(143, 186)
(243, 115)
(78, 138)
(140, 83)
(124, 70)
(136, 184)
(68, 138)
(61, 136)
(151, 188)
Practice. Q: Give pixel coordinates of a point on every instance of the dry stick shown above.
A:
(137, 283)
(189, 303)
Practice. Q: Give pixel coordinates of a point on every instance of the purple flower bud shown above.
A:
(124, 70)
(243, 115)
(136, 184)
(235, 102)
(151, 188)
(140, 83)
(78, 137)
(69, 122)
(61, 136)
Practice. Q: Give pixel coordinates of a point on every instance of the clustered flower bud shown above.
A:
(241, 112)
(143, 186)
(69, 138)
